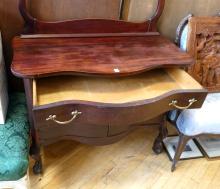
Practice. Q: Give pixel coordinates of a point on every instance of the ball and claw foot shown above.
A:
(158, 147)
(38, 168)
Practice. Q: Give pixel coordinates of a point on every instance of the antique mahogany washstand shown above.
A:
(95, 80)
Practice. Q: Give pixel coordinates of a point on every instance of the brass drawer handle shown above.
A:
(174, 103)
(53, 118)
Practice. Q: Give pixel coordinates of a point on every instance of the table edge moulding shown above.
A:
(96, 80)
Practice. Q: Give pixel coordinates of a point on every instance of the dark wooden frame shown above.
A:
(180, 28)
(183, 141)
(168, 154)
(35, 26)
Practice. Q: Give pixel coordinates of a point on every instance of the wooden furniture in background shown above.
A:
(89, 80)
(204, 46)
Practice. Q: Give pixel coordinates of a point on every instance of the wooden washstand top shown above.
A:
(94, 54)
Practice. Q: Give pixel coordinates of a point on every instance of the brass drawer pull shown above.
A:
(74, 114)
(174, 103)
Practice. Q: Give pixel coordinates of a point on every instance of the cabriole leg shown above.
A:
(158, 143)
(35, 153)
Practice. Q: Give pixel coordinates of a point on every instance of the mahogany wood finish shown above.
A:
(112, 56)
(95, 25)
(99, 115)
(35, 150)
(100, 47)
(163, 132)
(80, 133)
(98, 141)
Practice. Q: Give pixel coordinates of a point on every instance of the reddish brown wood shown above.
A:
(133, 113)
(35, 144)
(101, 121)
(88, 35)
(156, 16)
(48, 137)
(115, 130)
(94, 56)
(163, 132)
(97, 141)
(83, 130)
(109, 45)
(81, 26)
(203, 45)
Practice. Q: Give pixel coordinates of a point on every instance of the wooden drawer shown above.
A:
(107, 103)
(140, 113)
(89, 121)
(116, 129)
(80, 130)
(64, 112)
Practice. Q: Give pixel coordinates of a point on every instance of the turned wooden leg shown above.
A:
(163, 132)
(35, 147)
(183, 139)
(38, 167)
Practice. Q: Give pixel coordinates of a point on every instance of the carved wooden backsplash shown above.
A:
(204, 45)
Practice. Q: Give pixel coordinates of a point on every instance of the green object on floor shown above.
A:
(14, 140)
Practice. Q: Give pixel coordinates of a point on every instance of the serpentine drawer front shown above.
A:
(93, 106)
(69, 119)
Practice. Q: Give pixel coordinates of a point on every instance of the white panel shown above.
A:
(3, 88)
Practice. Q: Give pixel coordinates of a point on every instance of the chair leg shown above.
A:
(183, 139)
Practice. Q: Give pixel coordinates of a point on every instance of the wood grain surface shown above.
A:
(110, 107)
(112, 56)
(144, 86)
(204, 44)
(11, 22)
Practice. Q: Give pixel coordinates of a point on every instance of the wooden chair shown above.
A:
(194, 123)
